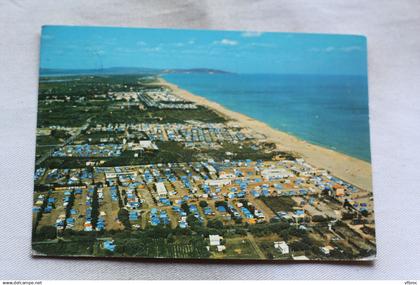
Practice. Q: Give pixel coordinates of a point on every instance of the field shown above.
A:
(279, 204)
(238, 248)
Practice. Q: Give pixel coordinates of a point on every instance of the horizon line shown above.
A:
(80, 70)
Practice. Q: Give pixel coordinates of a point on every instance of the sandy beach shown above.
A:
(350, 169)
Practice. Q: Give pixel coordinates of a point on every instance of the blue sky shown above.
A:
(71, 47)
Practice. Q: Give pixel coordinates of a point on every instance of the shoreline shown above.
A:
(353, 170)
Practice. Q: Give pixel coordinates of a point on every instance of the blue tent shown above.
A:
(265, 193)
(154, 221)
(221, 209)
(240, 194)
(133, 214)
(193, 208)
(109, 245)
(208, 211)
(299, 212)
(165, 201)
(303, 191)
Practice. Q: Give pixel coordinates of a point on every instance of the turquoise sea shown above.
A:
(331, 111)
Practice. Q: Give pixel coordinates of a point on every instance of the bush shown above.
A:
(216, 224)
(348, 216)
(47, 232)
(185, 208)
(123, 217)
(319, 218)
(203, 204)
(221, 203)
(300, 246)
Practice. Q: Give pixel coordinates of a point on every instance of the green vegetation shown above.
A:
(48, 140)
(279, 204)
(73, 102)
(240, 248)
(123, 217)
(240, 152)
(151, 242)
(214, 223)
(95, 207)
(69, 116)
(168, 152)
(133, 115)
(163, 247)
(46, 232)
(66, 248)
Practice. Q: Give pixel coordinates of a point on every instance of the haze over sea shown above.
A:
(327, 110)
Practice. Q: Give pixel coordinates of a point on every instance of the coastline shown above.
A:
(353, 170)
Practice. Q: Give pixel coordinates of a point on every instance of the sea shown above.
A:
(328, 110)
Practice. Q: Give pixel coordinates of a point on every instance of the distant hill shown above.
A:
(195, 70)
(125, 70)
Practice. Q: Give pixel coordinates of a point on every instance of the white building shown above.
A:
(210, 169)
(221, 248)
(109, 175)
(282, 247)
(142, 145)
(147, 144)
(275, 173)
(161, 189)
(218, 182)
(326, 249)
(224, 175)
(215, 240)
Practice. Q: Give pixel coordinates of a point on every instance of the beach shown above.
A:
(348, 168)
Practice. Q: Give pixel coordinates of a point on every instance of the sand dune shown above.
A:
(350, 169)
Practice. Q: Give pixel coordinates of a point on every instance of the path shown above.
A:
(256, 247)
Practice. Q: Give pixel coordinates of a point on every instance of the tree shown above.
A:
(348, 216)
(95, 207)
(213, 223)
(192, 221)
(158, 232)
(123, 217)
(135, 248)
(285, 234)
(300, 246)
(240, 231)
(319, 218)
(238, 220)
(364, 212)
(185, 208)
(203, 204)
(47, 232)
(221, 203)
